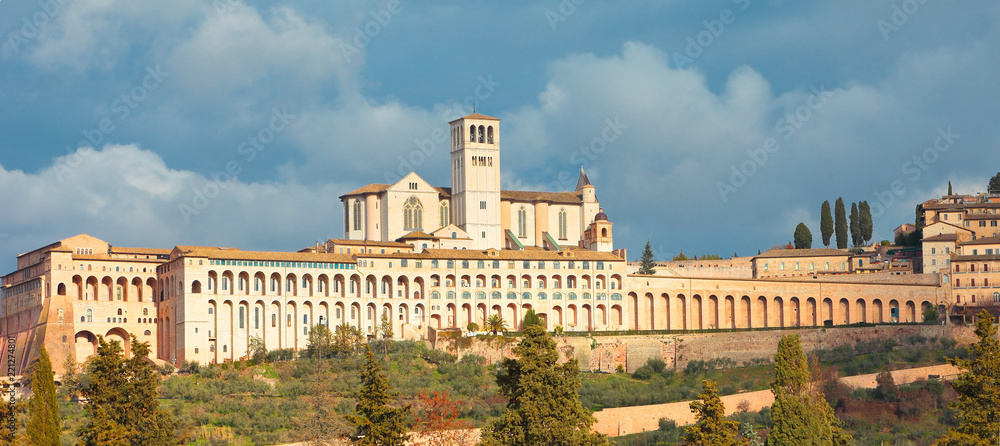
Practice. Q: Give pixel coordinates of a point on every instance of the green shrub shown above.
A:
(656, 364)
(166, 369)
(694, 367)
(643, 373)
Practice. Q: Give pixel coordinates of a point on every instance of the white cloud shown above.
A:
(129, 196)
(241, 55)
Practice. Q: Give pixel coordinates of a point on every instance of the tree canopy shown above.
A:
(647, 263)
(44, 422)
(978, 388)
(712, 427)
(840, 224)
(532, 318)
(543, 406)
(123, 394)
(825, 223)
(865, 221)
(993, 186)
(376, 423)
(803, 238)
(800, 413)
(856, 239)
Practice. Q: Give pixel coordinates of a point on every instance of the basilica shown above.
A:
(415, 258)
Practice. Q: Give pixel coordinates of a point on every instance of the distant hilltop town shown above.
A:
(417, 259)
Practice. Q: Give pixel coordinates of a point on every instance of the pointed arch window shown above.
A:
(489, 134)
(482, 134)
(472, 133)
(357, 215)
(413, 215)
(444, 214)
(562, 224)
(522, 222)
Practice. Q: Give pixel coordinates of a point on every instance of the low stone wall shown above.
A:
(946, 372)
(605, 353)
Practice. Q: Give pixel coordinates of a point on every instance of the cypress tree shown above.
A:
(800, 413)
(865, 220)
(646, 264)
(855, 226)
(949, 187)
(712, 427)
(376, 422)
(825, 223)
(543, 406)
(803, 238)
(44, 422)
(993, 186)
(841, 223)
(978, 387)
(123, 394)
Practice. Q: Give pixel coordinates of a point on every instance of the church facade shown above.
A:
(474, 213)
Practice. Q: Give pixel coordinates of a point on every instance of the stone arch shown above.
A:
(745, 317)
(795, 306)
(760, 316)
(634, 300)
(682, 312)
(119, 334)
(386, 287)
(729, 314)
(106, 292)
(713, 311)
(861, 311)
(602, 316)
(78, 287)
(150, 289)
(650, 303)
(483, 314)
(697, 312)
(404, 315)
(826, 313)
(894, 311)
(911, 312)
(511, 315)
(371, 318)
(243, 285)
(778, 312)
(467, 317)
(419, 313)
(665, 314)
(878, 314)
(86, 345)
(812, 312)
(616, 316)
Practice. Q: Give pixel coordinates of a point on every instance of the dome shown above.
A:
(601, 216)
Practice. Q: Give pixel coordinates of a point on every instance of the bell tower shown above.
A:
(475, 179)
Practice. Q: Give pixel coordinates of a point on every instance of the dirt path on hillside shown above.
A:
(629, 420)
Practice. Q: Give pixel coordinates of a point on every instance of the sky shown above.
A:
(706, 126)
